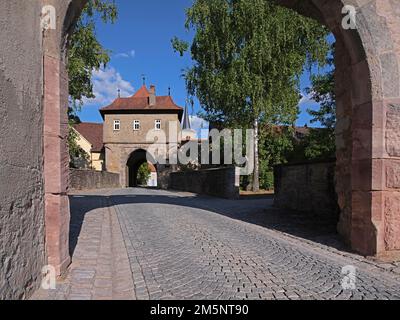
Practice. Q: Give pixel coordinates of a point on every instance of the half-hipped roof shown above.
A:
(142, 102)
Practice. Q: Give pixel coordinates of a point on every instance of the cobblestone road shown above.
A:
(185, 247)
(179, 250)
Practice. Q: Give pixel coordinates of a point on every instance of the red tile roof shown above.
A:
(140, 102)
(92, 132)
(142, 93)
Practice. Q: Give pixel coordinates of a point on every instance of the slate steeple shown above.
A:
(186, 119)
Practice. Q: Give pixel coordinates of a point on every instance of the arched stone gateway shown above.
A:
(368, 130)
(135, 160)
(368, 111)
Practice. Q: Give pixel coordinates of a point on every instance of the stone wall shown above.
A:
(22, 232)
(221, 182)
(307, 187)
(164, 175)
(91, 179)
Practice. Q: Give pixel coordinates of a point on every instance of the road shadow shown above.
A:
(79, 207)
(258, 211)
(256, 196)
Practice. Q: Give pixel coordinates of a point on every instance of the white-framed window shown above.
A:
(157, 125)
(117, 125)
(136, 125)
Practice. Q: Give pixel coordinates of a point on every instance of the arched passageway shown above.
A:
(368, 112)
(368, 91)
(135, 161)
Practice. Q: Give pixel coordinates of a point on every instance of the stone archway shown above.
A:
(368, 112)
(135, 160)
(368, 131)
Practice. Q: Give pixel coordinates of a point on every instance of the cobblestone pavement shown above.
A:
(100, 267)
(181, 246)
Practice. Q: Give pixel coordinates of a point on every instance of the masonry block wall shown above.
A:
(308, 187)
(90, 179)
(55, 132)
(368, 99)
(368, 114)
(22, 228)
(164, 175)
(219, 182)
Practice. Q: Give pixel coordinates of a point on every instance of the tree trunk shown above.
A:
(256, 175)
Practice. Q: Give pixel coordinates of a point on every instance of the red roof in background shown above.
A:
(92, 132)
(140, 102)
(152, 167)
(142, 93)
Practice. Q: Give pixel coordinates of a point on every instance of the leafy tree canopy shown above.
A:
(249, 56)
(85, 52)
(144, 174)
(322, 91)
(320, 143)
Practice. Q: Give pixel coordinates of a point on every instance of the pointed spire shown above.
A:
(144, 79)
(119, 93)
(186, 119)
(169, 91)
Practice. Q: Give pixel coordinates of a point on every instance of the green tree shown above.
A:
(144, 174)
(249, 55)
(320, 143)
(86, 54)
(179, 46)
(275, 143)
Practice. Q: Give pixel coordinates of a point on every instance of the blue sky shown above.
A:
(140, 44)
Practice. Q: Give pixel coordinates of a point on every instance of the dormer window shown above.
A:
(136, 125)
(157, 125)
(117, 125)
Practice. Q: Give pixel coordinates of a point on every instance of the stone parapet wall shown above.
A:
(220, 182)
(308, 187)
(164, 175)
(90, 179)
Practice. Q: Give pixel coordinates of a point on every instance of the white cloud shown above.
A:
(106, 83)
(200, 125)
(122, 55)
(306, 98)
(126, 55)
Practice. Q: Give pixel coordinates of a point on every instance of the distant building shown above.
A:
(90, 140)
(188, 134)
(127, 124)
(120, 145)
